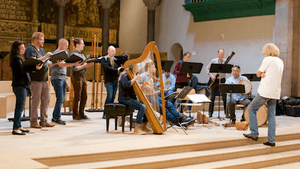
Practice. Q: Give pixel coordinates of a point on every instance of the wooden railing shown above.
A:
(193, 1)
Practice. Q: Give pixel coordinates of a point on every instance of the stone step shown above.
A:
(188, 158)
(267, 161)
(294, 165)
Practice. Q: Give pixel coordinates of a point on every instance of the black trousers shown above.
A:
(214, 89)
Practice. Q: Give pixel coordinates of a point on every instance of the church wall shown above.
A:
(245, 36)
(133, 26)
(174, 25)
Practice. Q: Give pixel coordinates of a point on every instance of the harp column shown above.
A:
(61, 17)
(286, 37)
(151, 5)
(106, 4)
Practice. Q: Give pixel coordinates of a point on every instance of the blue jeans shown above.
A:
(21, 95)
(167, 93)
(231, 107)
(171, 113)
(136, 105)
(111, 90)
(257, 102)
(59, 86)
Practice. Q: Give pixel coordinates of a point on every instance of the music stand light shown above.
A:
(220, 68)
(3, 54)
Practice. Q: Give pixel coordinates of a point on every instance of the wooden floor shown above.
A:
(86, 144)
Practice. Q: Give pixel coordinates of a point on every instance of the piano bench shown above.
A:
(114, 110)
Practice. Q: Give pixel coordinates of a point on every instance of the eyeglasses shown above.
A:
(42, 40)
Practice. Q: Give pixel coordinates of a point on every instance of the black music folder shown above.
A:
(75, 57)
(62, 55)
(31, 62)
(95, 60)
(120, 60)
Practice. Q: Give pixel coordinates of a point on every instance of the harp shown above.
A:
(151, 113)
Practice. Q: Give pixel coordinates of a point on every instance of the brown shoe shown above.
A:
(36, 126)
(47, 125)
(138, 129)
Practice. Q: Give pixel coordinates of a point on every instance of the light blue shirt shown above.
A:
(171, 79)
(58, 72)
(235, 96)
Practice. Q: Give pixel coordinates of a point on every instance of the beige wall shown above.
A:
(244, 36)
(133, 26)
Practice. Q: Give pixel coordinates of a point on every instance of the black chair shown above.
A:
(114, 110)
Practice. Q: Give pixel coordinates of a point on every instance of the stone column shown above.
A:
(151, 5)
(61, 18)
(35, 14)
(106, 4)
(286, 37)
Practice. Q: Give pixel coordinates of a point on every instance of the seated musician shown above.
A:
(193, 82)
(236, 98)
(169, 80)
(128, 97)
(147, 83)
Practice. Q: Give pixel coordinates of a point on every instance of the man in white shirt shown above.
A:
(269, 90)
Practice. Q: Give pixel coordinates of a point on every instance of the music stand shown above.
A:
(182, 94)
(3, 54)
(232, 88)
(253, 78)
(191, 67)
(166, 65)
(220, 68)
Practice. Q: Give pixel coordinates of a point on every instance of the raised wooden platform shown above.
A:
(86, 144)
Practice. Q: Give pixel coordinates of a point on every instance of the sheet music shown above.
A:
(198, 98)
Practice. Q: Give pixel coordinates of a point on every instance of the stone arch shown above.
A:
(176, 53)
